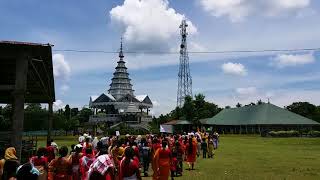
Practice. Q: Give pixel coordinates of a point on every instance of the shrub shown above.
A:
(314, 133)
(291, 133)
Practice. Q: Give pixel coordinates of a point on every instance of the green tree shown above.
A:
(74, 112)
(33, 107)
(199, 101)
(304, 109)
(34, 114)
(84, 114)
(176, 113)
(189, 109)
(67, 112)
(238, 105)
(58, 120)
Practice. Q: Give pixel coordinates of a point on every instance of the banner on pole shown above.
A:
(164, 128)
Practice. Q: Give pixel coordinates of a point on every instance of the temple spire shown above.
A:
(120, 83)
(121, 56)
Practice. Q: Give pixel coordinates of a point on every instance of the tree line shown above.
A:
(36, 117)
(194, 109)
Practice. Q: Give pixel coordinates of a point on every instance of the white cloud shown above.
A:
(58, 105)
(238, 10)
(277, 7)
(196, 47)
(148, 24)
(155, 103)
(284, 60)
(246, 91)
(234, 69)
(64, 88)
(61, 68)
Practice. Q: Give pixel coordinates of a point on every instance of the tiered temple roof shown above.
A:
(120, 85)
(120, 93)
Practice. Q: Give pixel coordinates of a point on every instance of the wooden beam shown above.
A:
(6, 87)
(18, 103)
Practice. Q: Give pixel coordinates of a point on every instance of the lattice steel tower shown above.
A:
(184, 76)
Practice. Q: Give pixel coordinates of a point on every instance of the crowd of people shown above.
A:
(113, 157)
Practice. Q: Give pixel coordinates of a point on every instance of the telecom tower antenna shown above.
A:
(184, 76)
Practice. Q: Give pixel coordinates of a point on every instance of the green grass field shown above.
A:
(254, 158)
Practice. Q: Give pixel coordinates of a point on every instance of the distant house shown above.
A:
(258, 118)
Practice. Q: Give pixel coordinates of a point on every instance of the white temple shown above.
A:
(120, 104)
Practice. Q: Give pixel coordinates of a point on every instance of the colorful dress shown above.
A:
(60, 169)
(102, 165)
(163, 161)
(85, 163)
(50, 153)
(191, 156)
(75, 161)
(129, 171)
(155, 148)
(41, 164)
(210, 149)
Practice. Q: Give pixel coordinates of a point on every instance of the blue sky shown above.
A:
(152, 25)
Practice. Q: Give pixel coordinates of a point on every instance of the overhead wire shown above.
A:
(190, 52)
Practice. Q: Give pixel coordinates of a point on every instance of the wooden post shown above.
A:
(50, 117)
(18, 103)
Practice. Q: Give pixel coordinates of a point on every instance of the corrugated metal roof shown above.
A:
(264, 114)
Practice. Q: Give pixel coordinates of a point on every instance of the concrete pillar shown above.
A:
(50, 117)
(18, 103)
(259, 129)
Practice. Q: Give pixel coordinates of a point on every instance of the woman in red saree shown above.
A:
(75, 159)
(60, 168)
(191, 152)
(129, 166)
(41, 163)
(155, 147)
(163, 160)
(85, 163)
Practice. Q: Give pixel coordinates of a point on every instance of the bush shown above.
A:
(314, 133)
(291, 133)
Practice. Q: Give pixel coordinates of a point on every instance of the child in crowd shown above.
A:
(174, 164)
(198, 146)
(210, 149)
(180, 153)
(146, 153)
(204, 147)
